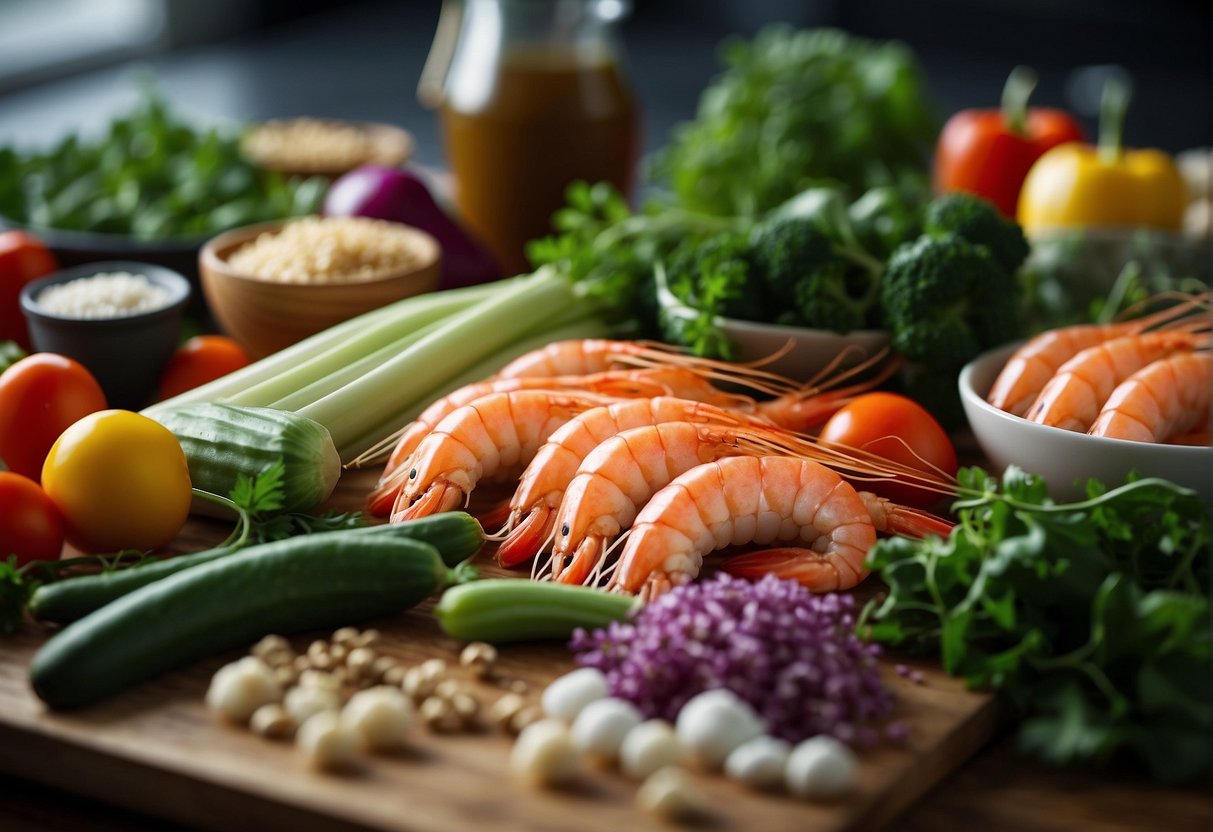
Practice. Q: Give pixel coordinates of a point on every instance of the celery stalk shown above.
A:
(464, 339)
(585, 327)
(336, 346)
(343, 375)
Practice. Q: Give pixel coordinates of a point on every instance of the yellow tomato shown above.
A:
(120, 480)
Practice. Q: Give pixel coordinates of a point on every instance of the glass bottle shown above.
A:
(531, 96)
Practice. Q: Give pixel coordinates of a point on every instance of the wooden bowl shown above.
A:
(325, 147)
(266, 315)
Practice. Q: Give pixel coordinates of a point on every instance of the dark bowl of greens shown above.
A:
(150, 188)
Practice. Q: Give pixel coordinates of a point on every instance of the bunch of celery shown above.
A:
(365, 378)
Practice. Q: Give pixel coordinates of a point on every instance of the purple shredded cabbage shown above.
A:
(792, 655)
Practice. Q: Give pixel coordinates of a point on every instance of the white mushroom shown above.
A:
(820, 768)
(648, 747)
(602, 724)
(715, 722)
(565, 697)
(380, 716)
(668, 793)
(326, 742)
(759, 763)
(240, 688)
(544, 753)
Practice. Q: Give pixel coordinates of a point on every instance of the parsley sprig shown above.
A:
(1091, 618)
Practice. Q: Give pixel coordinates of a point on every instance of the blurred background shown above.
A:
(69, 65)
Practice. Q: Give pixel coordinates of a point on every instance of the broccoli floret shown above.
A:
(947, 299)
(978, 221)
(814, 281)
(885, 217)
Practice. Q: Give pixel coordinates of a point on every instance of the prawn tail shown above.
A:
(527, 538)
(439, 497)
(810, 569)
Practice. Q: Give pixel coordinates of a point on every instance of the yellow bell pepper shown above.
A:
(1077, 184)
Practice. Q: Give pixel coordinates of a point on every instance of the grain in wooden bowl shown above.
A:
(273, 284)
(324, 147)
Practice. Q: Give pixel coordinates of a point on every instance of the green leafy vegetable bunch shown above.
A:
(150, 176)
(1090, 618)
(794, 108)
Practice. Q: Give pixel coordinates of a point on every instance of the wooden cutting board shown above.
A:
(155, 749)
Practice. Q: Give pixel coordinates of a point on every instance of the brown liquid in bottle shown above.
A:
(552, 117)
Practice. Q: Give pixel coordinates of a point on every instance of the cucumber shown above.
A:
(302, 583)
(455, 534)
(516, 609)
(223, 441)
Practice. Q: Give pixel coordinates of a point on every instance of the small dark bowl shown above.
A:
(126, 354)
(77, 248)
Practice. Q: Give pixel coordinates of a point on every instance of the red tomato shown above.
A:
(201, 359)
(30, 525)
(22, 258)
(898, 429)
(40, 396)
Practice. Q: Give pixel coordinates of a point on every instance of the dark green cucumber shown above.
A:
(516, 609)
(302, 583)
(455, 534)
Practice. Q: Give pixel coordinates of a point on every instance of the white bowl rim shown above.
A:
(1000, 355)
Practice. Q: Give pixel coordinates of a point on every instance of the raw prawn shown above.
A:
(495, 435)
(615, 383)
(800, 409)
(1073, 398)
(1167, 398)
(762, 500)
(1031, 366)
(620, 475)
(542, 486)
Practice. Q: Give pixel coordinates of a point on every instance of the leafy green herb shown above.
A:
(795, 107)
(1091, 618)
(151, 176)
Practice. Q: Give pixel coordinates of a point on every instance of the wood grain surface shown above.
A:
(156, 750)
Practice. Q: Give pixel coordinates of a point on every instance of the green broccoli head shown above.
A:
(810, 282)
(947, 299)
(978, 221)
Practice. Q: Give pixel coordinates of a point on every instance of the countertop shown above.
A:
(327, 65)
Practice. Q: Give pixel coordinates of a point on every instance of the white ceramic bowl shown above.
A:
(811, 352)
(1067, 459)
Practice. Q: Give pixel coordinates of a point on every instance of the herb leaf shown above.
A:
(1090, 618)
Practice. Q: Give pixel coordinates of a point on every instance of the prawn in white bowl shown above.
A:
(1067, 458)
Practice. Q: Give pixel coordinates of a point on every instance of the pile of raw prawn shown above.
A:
(1144, 379)
(630, 463)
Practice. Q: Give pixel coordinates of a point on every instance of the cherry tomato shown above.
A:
(22, 258)
(41, 395)
(30, 525)
(898, 429)
(120, 480)
(201, 359)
